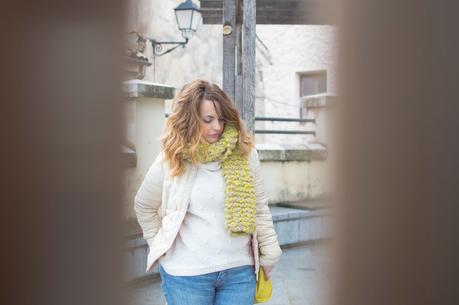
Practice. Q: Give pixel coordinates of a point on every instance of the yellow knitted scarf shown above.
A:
(240, 204)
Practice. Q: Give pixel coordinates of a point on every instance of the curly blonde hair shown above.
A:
(183, 128)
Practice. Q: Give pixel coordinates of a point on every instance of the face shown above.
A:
(211, 121)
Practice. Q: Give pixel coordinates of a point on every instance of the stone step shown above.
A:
(298, 226)
(293, 226)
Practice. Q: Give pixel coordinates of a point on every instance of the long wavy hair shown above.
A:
(183, 127)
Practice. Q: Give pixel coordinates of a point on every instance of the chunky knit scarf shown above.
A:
(240, 209)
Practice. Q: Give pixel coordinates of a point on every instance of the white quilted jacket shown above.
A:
(162, 201)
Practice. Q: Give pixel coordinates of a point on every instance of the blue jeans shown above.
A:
(227, 287)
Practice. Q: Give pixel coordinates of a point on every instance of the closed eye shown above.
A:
(207, 121)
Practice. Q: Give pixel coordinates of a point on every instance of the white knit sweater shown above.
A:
(202, 244)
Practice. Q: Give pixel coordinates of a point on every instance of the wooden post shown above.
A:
(248, 63)
(239, 83)
(229, 43)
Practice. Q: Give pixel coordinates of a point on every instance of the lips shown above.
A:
(214, 135)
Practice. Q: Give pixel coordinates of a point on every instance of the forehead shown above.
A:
(210, 108)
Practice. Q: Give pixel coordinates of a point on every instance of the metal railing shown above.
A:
(279, 119)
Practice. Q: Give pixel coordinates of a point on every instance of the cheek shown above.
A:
(204, 128)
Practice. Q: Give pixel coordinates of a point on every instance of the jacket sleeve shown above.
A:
(268, 244)
(148, 199)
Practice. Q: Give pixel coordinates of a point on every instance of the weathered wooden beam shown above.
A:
(229, 44)
(260, 3)
(248, 63)
(269, 20)
(275, 12)
(266, 13)
(239, 82)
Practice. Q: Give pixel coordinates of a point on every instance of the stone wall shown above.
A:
(283, 53)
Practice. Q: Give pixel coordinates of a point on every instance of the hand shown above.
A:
(267, 270)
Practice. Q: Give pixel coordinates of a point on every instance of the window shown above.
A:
(313, 83)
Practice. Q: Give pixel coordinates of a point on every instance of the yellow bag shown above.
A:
(264, 288)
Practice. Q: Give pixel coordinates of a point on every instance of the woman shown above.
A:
(202, 205)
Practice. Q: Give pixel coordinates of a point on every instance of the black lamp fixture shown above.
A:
(188, 16)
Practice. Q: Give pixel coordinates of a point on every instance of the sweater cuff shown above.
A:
(273, 256)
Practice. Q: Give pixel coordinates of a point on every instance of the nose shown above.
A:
(216, 125)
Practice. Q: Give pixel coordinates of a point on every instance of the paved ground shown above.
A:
(300, 278)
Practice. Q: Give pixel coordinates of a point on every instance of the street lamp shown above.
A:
(188, 16)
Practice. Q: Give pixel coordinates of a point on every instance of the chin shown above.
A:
(212, 140)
